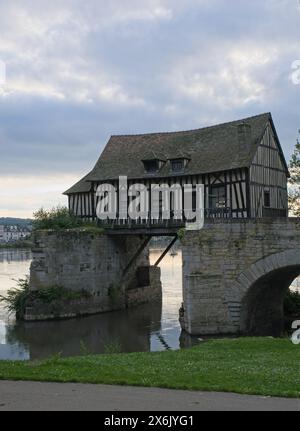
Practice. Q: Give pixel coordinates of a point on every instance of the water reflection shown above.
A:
(128, 331)
(152, 327)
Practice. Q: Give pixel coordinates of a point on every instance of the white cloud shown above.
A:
(157, 13)
(22, 196)
(231, 76)
(31, 88)
(115, 94)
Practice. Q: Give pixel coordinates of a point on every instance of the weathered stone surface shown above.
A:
(136, 295)
(78, 260)
(235, 275)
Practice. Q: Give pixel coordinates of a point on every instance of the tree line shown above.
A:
(294, 181)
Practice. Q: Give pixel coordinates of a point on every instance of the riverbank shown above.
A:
(16, 245)
(253, 366)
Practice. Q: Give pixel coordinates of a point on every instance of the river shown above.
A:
(152, 327)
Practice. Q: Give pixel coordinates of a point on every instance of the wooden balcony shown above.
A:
(142, 227)
(156, 227)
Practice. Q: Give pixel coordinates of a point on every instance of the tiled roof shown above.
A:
(81, 187)
(210, 149)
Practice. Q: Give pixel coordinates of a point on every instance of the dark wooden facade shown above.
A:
(268, 179)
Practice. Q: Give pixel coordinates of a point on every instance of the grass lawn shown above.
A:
(262, 366)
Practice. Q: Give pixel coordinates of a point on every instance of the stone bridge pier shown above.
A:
(236, 274)
(96, 273)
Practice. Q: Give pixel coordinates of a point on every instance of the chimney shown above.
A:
(244, 136)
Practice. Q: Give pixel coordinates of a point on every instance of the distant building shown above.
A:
(13, 233)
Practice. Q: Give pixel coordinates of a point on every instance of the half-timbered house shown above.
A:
(241, 165)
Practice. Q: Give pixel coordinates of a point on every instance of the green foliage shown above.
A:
(294, 182)
(55, 219)
(181, 234)
(292, 304)
(57, 293)
(17, 299)
(84, 349)
(113, 347)
(53, 359)
(295, 164)
(17, 244)
(255, 366)
(60, 218)
(92, 228)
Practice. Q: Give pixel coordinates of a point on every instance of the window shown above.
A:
(177, 165)
(218, 197)
(151, 166)
(267, 199)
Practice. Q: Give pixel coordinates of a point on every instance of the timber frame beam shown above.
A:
(136, 254)
(166, 250)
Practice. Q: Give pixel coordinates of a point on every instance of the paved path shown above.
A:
(71, 397)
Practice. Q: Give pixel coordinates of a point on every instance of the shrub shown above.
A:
(57, 293)
(17, 299)
(61, 218)
(55, 219)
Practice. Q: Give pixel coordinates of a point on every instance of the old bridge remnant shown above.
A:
(105, 269)
(236, 274)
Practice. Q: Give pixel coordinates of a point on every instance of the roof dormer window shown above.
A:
(177, 165)
(153, 162)
(179, 162)
(151, 166)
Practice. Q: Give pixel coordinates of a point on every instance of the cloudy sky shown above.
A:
(78, 71)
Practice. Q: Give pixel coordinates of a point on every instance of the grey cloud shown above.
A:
(80, 71)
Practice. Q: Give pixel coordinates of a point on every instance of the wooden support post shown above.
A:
(136, 255)
(166, 250)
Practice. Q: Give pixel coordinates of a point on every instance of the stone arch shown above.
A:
(264, 286)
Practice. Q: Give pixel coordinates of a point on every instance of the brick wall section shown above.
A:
(222, 262)
(77, 260)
